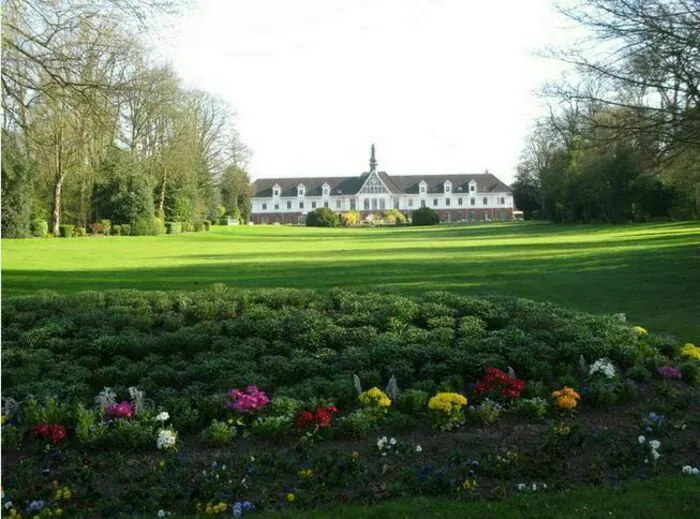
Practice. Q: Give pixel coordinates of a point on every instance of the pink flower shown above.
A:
(123, 410)
(251, 400)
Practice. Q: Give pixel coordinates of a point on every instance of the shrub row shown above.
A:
(143, 227)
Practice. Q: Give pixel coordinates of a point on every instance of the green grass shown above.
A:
(651, 272)
(663, 497)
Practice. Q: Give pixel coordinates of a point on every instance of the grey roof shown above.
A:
(406, 184)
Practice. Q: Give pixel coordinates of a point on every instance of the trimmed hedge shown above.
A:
(80, 231)
(66, 231)
(116, 230)
(425, 216)
(39, 228)
(126, 229)
(173, 227)
(206, 224)
(322, 217)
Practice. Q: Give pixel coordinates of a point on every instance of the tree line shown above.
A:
(622, 140)
(94, 129)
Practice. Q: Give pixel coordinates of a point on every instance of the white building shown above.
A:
(468, 197)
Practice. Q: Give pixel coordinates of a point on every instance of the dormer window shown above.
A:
(448, 187)
(326, 190)
(472, 187)
(422, 188)
(276, 189)
(301, 190)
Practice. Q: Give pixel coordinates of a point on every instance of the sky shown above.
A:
(439, 86)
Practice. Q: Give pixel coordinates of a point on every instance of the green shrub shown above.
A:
(425, 216)
(158, 226)
(691, 371)
(413, 402)
(39, 228)
(116, 230)
(106, 225)
(322, 217)
(147, 226)
(173, 227)
(65, 231)
(80, 232)
(198, 226)
(11, 437)
(206, 224)
(186, 226)
(126, 229)
(639, 372)
(219, 433)
(533, 408)
(395, 216)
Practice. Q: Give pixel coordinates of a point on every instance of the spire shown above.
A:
(372, 161)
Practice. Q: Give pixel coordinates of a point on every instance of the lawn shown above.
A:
(650, 272)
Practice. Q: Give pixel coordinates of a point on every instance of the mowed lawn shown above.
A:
(651, 272)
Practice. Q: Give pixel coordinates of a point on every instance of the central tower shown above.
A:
(372, 161)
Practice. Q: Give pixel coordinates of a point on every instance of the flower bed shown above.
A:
(470, 398)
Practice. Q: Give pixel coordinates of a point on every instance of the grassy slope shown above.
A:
(651, 272)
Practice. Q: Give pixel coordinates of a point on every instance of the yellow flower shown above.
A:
(567, 397)
(690, 350)
(446, 402)
(291, 497)
(208, 510)
(161, 464)
(640, 330)
(67, 494)
(58, 512)
(375, 397)
(306, 473)
(59, 495)
(355, 455)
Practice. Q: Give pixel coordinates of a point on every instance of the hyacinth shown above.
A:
(670, 372)
(375, 397)
(690, 350)
(446, 402)
(167, 439)
(252, 399)
(54, 432)
(640, 330)
(567, 398)
(500, 382)
(604, 367)
(123, 410)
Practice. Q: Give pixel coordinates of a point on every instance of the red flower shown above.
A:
(304, 419)
(54, 432)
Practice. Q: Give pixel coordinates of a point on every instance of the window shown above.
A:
(503, 201)
(486, 201)
(301, 191)
(422, 190)
(448, 188)
(410, 202)
(277, 207)
(472, 188)
(325, 204)
(313, 205)
(338, 204)
(352, 204)
(374, 204)
(264, 207)
(472, 201)
(301, 205)
(447, 201)
(460, 201)
(382, 203)
(373, 186)
(289, 205)
(434, 202)
(276, 192)
(366, 204)
(326, 191)
(422, 203)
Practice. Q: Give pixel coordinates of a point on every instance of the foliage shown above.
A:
(425, 216)
(66, 231)
(446, 410)
(322, 217)
(17, 188)
(39, 228)
(395, 216)
(173, 227)
(351, 218)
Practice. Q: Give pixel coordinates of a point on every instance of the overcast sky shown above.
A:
(440, 86)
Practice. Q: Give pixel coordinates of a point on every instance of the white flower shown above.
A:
(521, 486)
(419, 448)
(687, 469)
(641, 439)
(166, 439)
(695, 471)
(655, 455)
(163, 416)
(161, 513)
(534, 487)
(544, 485)
(603, 366)
(8, 505)
(393, 441)
(654, 444)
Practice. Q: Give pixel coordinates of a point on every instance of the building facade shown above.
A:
(468, 197)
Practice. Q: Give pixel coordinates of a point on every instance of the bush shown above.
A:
(413, 402)
(351, 218)
(147, 226)
(425, 216)
(80, 231)
(206, 224)
(97, 228)
(126, 229)
(39, 228)
(106, 226)
(198, 226)
(186, 226)
(158, 226)
(66, 231)
(395, 216)
(173, 227)
(322, 217)
(116, 230)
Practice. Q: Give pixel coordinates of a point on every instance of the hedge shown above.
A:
(65, 231)
(173, 227)
(425, 216)
(39, 228)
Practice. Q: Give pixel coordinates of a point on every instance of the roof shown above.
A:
(398, 184)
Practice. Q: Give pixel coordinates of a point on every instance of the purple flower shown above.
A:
(670, 372)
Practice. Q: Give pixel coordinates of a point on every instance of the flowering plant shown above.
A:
(122, 410)
(54, 432)
(446, 410)
(321, 418)
(690, 350)
(670, 372)
(375, 398)
(653, 422)
(167, 439)
(604, 367)
(497, 382)
(687, 469)
(252, 399)
(640, 330)
(567, 398)
(386, 446)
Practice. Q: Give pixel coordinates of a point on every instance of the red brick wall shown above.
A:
(290, 217)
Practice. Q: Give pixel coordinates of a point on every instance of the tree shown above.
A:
(16, 188)
(236, 191)
(526, 192)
